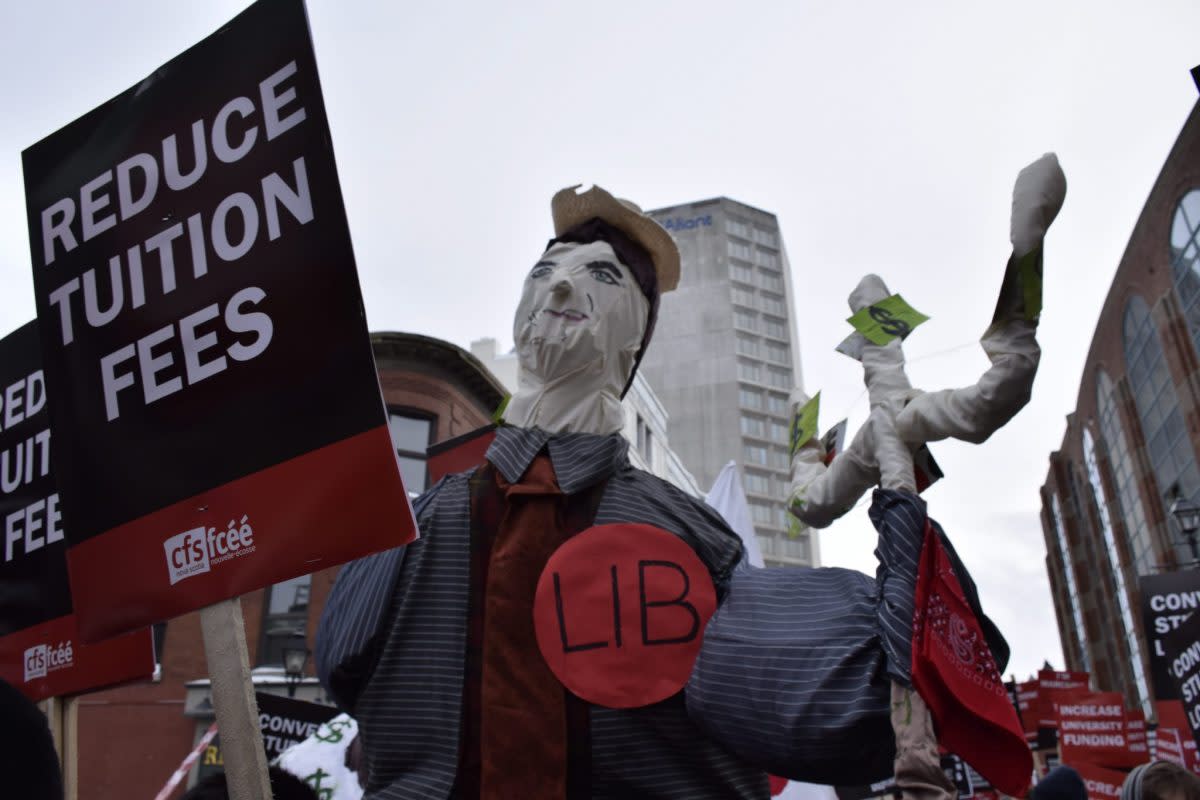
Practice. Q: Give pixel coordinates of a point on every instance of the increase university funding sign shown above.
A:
(217, 415)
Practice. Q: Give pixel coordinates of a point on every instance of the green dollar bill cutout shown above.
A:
(498, 414)
(1030, 266)
(804, 423)
(886, 320)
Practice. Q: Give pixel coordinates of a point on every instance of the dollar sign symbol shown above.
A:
(334, 734)
(889, 324)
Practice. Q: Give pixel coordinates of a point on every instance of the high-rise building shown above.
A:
(725, 356)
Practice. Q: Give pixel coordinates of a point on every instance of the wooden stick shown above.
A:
(70, 747)
(233, 698)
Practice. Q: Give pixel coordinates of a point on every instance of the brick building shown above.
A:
(1131, 446)
(133, 737)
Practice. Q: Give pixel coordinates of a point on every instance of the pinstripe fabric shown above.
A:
(796, 663)
(411, 634)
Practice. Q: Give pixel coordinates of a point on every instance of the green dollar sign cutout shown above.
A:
(888, 319)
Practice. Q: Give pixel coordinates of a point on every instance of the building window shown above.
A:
(780, 459)
(766, 259)
(741, 272)
(754, 426)
(795, 548)
(759, 484)
(1116, 570)
(766, 545)
(749, 398)
(412, 434)
(748, 346)
(740, 250)
(285, 618)
(750, 372)
(772, 304)
(743, 297)
(736, 227)
(755, 454)
(744, 319)
(765, 237)
(1185, 259)
(1064, 554)
(645, 441)
(778, 352)
(775, 328)
(1129, 499)
(769, 281)
(760, 513)
(777, 404)
(779, 432)
(780, 378)
(1157, 402)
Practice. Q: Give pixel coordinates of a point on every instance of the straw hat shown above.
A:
(569, 208)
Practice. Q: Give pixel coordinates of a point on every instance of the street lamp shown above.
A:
(1187, 515)
(295, 656)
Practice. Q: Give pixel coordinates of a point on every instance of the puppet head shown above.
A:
(587, 311)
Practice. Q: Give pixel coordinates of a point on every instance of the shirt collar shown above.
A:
(579, 459)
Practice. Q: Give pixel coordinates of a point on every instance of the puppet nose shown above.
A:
(562, 286)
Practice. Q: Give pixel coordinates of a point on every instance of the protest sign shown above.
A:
(1168, 600)
(1181, 648)
(1101, 783)
(1173, 740)
(1092, 729)
(217, 414)
(284, 722)
(40, 649)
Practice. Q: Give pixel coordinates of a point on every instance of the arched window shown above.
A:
(1117, 570)
(1129, 500)
(1060, 534)
(1185, 259)
(1167, 442)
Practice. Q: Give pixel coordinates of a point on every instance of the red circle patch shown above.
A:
(620, 612)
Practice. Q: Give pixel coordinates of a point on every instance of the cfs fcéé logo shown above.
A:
(198, 550)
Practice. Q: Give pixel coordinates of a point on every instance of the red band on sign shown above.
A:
(620, 612)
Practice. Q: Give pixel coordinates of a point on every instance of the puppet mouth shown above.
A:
(569, 314)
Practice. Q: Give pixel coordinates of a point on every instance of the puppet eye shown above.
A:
(603, 276)
(540, 270)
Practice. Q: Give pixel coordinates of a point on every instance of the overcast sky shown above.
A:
(885, 136)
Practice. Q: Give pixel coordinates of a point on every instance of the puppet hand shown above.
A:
(870, 290)
(1037, 198)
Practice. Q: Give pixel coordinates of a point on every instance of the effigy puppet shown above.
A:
(570, 626)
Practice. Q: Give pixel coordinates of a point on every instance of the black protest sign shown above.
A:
(1168, 600)
(212, 390)
(40, 650)
(1182, 654)
(283, 721)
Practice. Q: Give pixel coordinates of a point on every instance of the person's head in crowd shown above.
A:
(1061, 783)
(1161, 780)
(28, 760)
(284, 786)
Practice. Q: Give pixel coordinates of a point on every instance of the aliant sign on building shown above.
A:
(40, 649)
(216, 411)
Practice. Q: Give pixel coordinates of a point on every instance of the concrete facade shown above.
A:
(725, 357)
(1132, 443)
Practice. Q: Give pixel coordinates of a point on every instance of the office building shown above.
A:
(725, 357)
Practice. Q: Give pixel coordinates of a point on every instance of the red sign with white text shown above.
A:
(1173, 738)
(1101, 783)
(1092, 729)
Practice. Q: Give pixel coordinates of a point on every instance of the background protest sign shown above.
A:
(1173, 740)
(40, 650)
(284, 722)
(217, 414)
(1101, 783)
(1092, 729)
(1168, 600)
(1182, 650)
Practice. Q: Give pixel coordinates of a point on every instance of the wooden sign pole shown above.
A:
(233, 698)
